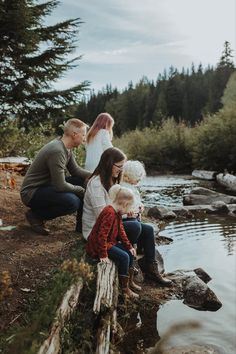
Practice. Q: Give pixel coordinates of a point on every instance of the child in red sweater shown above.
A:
(108, 239)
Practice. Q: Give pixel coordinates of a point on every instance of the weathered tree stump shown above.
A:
(106, 279)
(105, 305)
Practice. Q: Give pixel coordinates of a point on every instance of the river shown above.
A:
(209, 243)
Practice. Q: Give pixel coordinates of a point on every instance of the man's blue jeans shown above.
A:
(48, 204)
(122, 257)
(142, 234)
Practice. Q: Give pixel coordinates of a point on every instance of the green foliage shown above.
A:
(80, 331)
(39, 317)
(213, 145)
(214, 142)
(40, 312)
(16, 141)
(229, 98)
(162, 149)
(33, 56)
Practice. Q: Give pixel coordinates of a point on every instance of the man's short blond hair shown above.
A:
(73, 124)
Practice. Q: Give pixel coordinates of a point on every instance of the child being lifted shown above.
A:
(108, 239)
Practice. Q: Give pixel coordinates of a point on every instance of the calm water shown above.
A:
(209, 243)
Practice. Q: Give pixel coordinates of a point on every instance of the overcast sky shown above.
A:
(123, 40)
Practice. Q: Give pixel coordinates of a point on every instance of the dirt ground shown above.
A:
(29, 258)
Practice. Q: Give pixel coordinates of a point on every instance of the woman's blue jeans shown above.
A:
(48, 204)
(142, 234)
(122, 257)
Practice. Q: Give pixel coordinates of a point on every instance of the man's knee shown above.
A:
(72, 203)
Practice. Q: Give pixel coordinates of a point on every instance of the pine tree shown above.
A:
(33, 56)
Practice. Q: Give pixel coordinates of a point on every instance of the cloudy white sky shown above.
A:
(123, 40)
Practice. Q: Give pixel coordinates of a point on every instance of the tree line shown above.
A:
(186, 96)
(34, 54)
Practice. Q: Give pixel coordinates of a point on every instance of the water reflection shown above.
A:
(223, 228)
(208, 243)
(140, 330)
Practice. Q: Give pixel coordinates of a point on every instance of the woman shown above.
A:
(107, 173)
(98, 140)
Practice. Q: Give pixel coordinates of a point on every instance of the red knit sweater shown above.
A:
(107, 231)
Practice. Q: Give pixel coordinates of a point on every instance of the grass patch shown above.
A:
(40, 309)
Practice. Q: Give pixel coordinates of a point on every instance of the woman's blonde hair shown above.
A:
(119, 195)
(133, 171)
(103, 121)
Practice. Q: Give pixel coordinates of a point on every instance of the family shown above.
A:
(103, 195)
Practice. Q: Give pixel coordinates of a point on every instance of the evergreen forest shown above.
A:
(174, 122)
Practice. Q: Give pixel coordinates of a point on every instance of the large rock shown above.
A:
(161, 212)
(194, 291)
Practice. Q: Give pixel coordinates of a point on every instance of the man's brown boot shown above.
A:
(127, 292)
(36, 224)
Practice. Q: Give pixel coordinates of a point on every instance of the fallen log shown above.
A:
(188, 211)
(52, 344)
(106, 279)
(204, 196)
(227, 180)
(14, 164)
(206, 175)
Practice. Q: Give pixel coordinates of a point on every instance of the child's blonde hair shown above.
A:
(133, 171)
(121, 195)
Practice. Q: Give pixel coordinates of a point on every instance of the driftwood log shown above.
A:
(14, 164)
(188, 211)
(206, 175)
(52, 344)
(204, 196)
(227, 180)
(105, 305)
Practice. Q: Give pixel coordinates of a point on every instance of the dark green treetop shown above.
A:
(33, 56)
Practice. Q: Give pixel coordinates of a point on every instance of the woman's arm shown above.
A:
(97, 195)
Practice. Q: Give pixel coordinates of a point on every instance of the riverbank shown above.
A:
(36, 282)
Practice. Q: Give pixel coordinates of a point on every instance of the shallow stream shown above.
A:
(209, 243)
